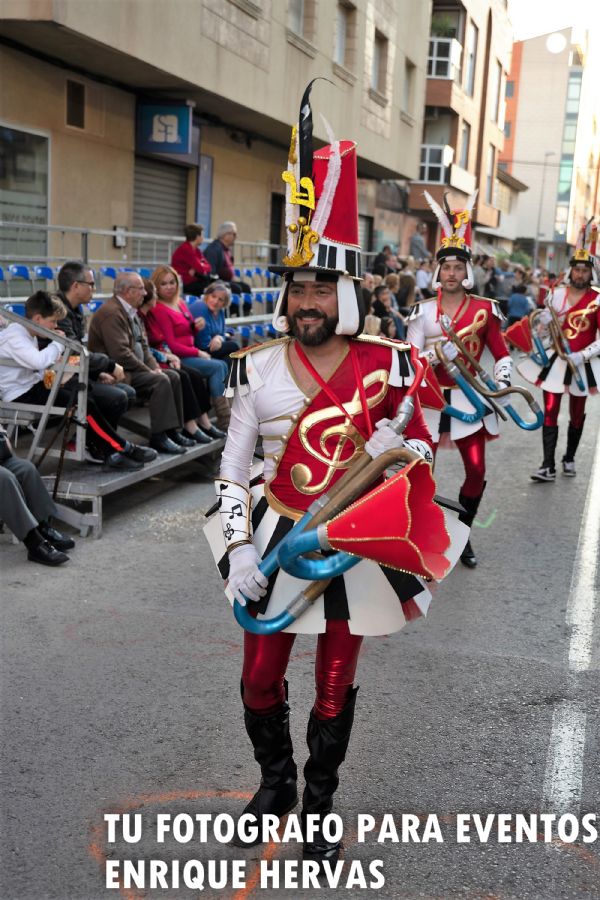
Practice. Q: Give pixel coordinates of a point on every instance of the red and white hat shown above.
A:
(456, 237)
(321, 220)
(585, 249)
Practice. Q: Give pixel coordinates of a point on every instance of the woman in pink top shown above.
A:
(172, 320)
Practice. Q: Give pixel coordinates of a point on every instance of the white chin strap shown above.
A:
(467, 282)
(348, 313)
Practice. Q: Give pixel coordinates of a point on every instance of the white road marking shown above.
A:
(583, 596)
(564, 761)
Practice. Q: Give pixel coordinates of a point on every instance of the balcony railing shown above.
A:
(435, 161)
(444, 58)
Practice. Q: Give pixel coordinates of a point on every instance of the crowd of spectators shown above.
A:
(147, 344)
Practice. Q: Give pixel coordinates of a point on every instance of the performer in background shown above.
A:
(577, 307)
(476, 320)
(319, 398)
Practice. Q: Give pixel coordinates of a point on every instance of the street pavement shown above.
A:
(120, 694)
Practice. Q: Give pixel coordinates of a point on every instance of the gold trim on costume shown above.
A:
(238, 354)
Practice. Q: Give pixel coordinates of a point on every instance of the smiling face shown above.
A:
(581, 276)
(167, 287)
(312, 311)
(216, 300)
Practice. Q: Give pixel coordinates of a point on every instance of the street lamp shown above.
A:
(536, 246)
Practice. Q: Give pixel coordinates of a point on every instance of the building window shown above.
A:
(573, 92)
(495, 90)
(444, 58)
(23, 191)
(296, 16)
(75, 104)
(510, 89)
(345, 35)
(408, 87)
(489, 175)
(569, 136)
(565, 178)
(465, 140)
(471, 58)
(434, 162)
(561, 221)
(380, 63)
(507, 129)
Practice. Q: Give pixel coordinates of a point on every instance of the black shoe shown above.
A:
(467, 557)
(54, 537)
(179, 438)
(213, 432)
(199, 437)
(163, 444)
(140, 454)
(120, 461)
(47, 555)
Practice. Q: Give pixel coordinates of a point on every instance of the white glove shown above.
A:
(577, 358)
(383, 438)
(545, 317)
(245, 578)
(449, 350)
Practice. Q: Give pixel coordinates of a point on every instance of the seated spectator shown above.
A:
(219, 253)
(377, 280)
(388, 328)
(405, 296)
(214, 338)
(115, 329)
(26, 507)
(380, 261)
(173, 321)
(194, 390)
(23, 382)
(383, 306)
(191, 264)
(367, 285)
(106, 382)
(519, 304)
(372, 325)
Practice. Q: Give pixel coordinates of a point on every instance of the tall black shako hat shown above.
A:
(321, 219)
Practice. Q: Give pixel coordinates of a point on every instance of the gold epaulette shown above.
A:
(484, 299)
(238, 354)
(382, 341)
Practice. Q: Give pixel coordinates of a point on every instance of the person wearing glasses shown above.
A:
(115, 329)
(106, 377)
(219, 253)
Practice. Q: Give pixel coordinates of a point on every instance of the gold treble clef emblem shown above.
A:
(577, 320)
(469, 335)
(342, 433)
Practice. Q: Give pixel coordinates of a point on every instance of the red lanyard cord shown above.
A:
(332, 396)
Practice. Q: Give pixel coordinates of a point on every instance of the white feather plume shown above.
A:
(469, 208)
(334, 168)
(292, 210)
(440, 215)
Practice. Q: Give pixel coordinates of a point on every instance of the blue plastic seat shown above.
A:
(18, 271)
(46, 273)
(108, 272)
(93, 305)
(237, 273)
(271, 331)
(144, 272)
(259, 330)
(18, 308)
(247, 298)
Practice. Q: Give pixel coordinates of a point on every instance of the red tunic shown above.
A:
(324, 442)
(477, 327)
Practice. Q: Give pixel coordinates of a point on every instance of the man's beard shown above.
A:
(579, 284)
(308, 335)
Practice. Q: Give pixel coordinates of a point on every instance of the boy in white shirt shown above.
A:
(24, 381)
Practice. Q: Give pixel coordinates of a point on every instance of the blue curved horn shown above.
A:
(472, 396)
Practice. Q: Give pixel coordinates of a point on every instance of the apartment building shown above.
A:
(144, 115)
(553, 139)
(468, 61)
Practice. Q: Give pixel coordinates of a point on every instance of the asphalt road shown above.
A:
(120, 695)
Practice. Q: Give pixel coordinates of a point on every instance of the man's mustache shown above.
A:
(308, 314)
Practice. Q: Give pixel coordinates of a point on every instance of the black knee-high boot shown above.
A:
(573, 438)
(273, 751)
(471, 505)
(327, 741)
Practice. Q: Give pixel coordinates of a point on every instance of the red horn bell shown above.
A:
(397, 524)
(519, 334)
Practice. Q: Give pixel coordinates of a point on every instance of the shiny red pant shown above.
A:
(472, 451)
(552, 408)
(266, 659)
